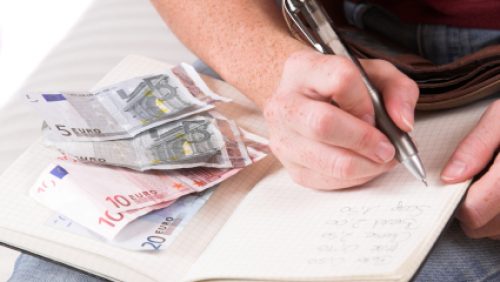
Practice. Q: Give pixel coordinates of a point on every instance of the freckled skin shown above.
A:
(247, 43)
(249, 48)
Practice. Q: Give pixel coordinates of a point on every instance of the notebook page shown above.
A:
(22, 220)
(282, 231)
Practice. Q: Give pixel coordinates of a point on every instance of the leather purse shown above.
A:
(467, 79)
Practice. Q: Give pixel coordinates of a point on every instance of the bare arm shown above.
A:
(321, 145)
(246, 42)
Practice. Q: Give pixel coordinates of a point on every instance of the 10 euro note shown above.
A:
(208, 140)
(106, 199)
(127, 108)
(152, 232)
(119, 189)
(55, 190)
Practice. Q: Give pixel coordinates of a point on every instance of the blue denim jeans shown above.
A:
(440, 44)
(455, 257)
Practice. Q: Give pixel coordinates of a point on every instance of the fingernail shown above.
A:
(369, 119)
(385, 151)
(407, 115)
(454, 170)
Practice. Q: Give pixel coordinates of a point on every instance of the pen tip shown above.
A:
(425, 182)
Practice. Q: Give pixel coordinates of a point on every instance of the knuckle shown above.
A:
(342, 166)
(365, 140)
(320, 124)
(346, 73)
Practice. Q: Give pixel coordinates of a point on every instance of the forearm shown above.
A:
(246, 42)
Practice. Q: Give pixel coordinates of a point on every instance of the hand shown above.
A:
(325, 146)
(480, 212)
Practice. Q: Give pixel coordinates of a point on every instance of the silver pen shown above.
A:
(315, 25)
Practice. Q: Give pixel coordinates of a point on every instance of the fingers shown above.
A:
(328, 124)
(481, 204)
(490, 230)
(399, 92)
(332, 161)
(325, 146)
(329, 77)
(477, 149)
(313, 179)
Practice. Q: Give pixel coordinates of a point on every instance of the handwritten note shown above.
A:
(364, 234)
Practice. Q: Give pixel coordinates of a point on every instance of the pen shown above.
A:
(315, 25)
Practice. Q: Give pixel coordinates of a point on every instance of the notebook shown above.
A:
(259, 224)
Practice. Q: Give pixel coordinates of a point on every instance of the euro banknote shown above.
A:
(208, 140)
(127, 108)
(106, 199)
(152, 232)
(54, 190)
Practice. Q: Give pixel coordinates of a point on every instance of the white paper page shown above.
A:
(282, 231)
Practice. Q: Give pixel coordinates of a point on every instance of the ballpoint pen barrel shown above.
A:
(328, 41)
(400, 139)
(406, 151)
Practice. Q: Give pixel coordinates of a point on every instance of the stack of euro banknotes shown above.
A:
(137, 158)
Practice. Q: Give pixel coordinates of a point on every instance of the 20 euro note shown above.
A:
(120, 190)
(152, 232)
(127, 108)
(208, 140)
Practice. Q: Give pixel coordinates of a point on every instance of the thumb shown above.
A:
(477, 149)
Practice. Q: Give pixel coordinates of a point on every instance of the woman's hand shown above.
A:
(480, 212)
(327, 146)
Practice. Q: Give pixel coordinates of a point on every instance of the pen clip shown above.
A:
(310, 18)
(296, 12)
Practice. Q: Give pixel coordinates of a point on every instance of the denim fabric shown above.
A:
(443, 44)
(440, 44)
(455, 258)
(31, 269)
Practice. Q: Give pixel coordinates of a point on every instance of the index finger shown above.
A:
(328, 124)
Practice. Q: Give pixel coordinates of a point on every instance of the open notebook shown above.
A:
(260, 225)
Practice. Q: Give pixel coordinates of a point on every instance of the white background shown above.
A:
(28, 31)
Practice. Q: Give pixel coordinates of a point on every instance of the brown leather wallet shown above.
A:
(460, 82)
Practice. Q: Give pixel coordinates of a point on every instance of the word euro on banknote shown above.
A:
(127, 108)
(152, 232)
(208, 140)
(106, 199)
(121, 190)
(53, 191)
